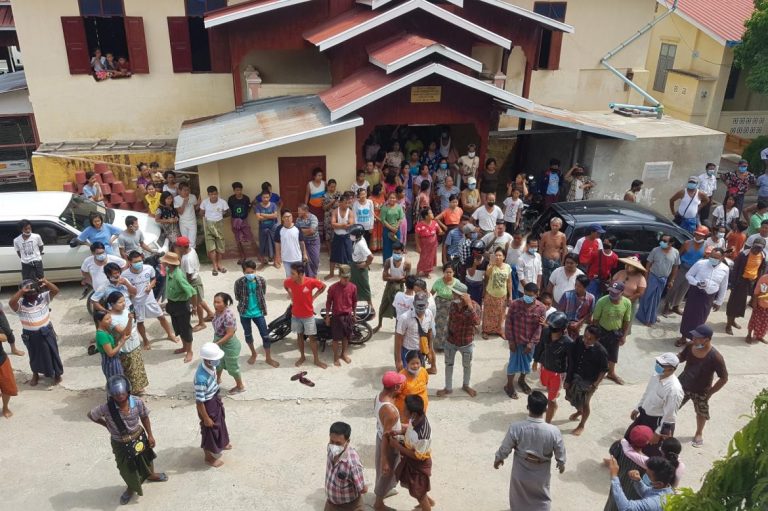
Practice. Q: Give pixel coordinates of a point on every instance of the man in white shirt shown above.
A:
(29, 247)
(403, 301)
(499, 238)
(185, 204)
(762, 233)
(93, 266)
(708, 282)
(529, 265)
(707, 185)
(485, 217)
(411, 326)
(657, 409)
(513, 208)
(213, 210)
(289, 244)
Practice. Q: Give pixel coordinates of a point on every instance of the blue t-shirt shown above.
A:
(445, 193)
(553, 187)
(453, 242)
(91, 234)
(258, 208)
(762, 182)
(253, 310)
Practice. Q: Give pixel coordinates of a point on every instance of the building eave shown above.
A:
(375, 4)
(540, 18)
(567, 119)
(238, 12)
(419, 54)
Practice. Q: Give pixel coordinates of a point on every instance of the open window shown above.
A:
(195, 48)
(103, 41)
(551, 40)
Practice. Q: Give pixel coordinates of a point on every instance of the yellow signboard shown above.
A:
(426, 94)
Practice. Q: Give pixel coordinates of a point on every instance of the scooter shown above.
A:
(280, 327)
(531, 212)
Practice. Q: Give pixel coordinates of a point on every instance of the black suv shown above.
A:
(637, 229)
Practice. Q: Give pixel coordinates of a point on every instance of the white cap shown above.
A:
(472, 181)
(668, 359)
(211, 351)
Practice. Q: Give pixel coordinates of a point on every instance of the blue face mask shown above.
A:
(250, 276)
(138, 266)
(743, 168)
(214, 363)
(663, 244)
(659, 369)
(647, 480)
(443, 166)
(397, 257)
(691, 186)
(472, 186)
(532, 250)
(714, 262)
(528, 299)
(100, 257)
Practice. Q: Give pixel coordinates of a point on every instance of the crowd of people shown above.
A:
(564, 314)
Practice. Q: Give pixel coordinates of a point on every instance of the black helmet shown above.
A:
(557, 320)
(357, 231)
(477, 246)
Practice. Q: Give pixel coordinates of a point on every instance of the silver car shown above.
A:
(58, 217)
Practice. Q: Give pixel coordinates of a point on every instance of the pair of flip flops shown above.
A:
(302, 379)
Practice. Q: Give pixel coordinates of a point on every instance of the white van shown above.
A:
(58, 217)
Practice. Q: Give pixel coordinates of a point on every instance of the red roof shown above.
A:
(246, 9)
(339, 24)
(6, 18)
(721, 19)
(397, 47)
(354, 87)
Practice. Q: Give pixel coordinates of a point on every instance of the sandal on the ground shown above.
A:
(92, 349)
(307, 382)
(697, 443)
(615, 379)
(524, 387)
(511, 393)
(297, 376)
(223, 270)
(125, 498)
(161, 478)
(214, 273)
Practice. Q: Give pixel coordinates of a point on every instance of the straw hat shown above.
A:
(632, 261)
(171, 258)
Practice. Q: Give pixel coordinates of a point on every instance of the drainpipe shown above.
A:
(657, 106)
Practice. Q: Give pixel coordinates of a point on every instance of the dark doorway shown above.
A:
(201, 51)
(107, 34)
(294, 174)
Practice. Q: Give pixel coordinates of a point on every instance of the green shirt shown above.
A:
(253, 310)
(611, 316)
(442, 289)
(103, 338)
(177, 289)
(393, 215)
(754, 223)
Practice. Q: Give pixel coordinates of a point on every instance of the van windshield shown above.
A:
(77, 211)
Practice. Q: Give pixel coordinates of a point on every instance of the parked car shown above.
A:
(58, 217)
(637, 229)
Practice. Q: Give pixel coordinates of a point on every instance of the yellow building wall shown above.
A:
(255, 168)
(77, 108)
(51, 172)
(582, 83)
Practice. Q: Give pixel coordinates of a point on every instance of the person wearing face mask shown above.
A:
(132, 238)
(413, 332)
(485, 217)
(651, 498)
(470, 197)
(707, 185)
(395, 273)
(126, 417)
(144, 279)
(415, 384)
(702, 362)
(468, 165)
(716, 239)
(690, 253)
(522, 331)
(661, 266)
(32, 305)
(534, 443)
(252, 307)
(692, 200)
(601, 267)
(344, 477)
(210, 408)
(747, 267)
(179, 291)
(29, 247)
(738, 183)
(587, 366)
(115, 282)
(529, 268)
(92, 268)
(387, 421)
(708, 283)
(613, 315)
(658, 407)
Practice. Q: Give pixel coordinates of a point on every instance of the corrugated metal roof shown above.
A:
(259, 125)
(404, 49)
(244, 10)
(723, 20)
(107, 146)
(10, 82)
(573, 120)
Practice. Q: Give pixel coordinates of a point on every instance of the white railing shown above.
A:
(744, 124)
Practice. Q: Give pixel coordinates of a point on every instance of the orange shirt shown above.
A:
(736, 240)
(451, 216)
(414, 385)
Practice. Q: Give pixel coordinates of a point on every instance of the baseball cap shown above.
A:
(500, 221)
(471, 181)
(345, 271)
(596, 228)
(701, 332)
(668, 359)
(392, 378)
(693, 179)
(182, 241)
(468, 229)
(616, 288)
(759, 242)
(640, 436)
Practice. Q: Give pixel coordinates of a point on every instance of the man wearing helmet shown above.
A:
(552, 353)
(362, 257)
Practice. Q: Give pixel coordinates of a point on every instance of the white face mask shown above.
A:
(471, 154)
(335, 450)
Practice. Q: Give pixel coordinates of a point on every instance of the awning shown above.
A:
(402, 50)
(591, 122)
(259, 125)
(372, 84)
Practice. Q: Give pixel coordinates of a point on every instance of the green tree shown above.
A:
(738, 482)
(752, 53)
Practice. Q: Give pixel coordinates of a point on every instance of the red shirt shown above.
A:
(342, 299)
(302, 295)
(588, 250)
(601, 265)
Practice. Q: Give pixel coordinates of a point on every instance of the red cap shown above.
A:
(392, 378)
(639, 436)
(182, 241)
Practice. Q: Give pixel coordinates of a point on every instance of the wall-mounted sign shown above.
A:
(426, 94)
(657, 170)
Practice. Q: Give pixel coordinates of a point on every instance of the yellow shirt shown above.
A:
(152, 203)
(414, 385)
(753, 265)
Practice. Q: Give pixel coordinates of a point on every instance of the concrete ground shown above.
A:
(54, 458)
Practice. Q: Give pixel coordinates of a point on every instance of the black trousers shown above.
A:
(181, 319)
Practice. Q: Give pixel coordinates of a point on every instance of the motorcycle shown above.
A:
(280, 327)
(532, 210)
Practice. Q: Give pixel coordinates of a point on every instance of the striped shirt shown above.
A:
(418, 437)
(34, 316)
(205, 383)
(344, 479)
